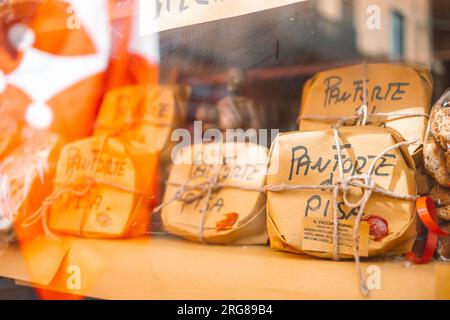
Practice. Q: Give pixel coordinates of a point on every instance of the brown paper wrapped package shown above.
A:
(391, 88)
(108, 188)
(146, 114)
(309, 158)
(234, 174)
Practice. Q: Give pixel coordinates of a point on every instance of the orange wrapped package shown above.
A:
(145, 114)
(104, 187)
(26, 177)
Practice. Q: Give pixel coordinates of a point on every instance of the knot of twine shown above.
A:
(362, 114)
(362, 181)
(188, 193)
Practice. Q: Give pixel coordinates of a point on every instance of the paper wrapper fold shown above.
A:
(309, 158)
(233, 215)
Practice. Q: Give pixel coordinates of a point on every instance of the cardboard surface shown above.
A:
(169, 268)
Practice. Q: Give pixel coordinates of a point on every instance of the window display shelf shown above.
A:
(169, 268)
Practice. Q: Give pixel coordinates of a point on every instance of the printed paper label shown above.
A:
(318, 236)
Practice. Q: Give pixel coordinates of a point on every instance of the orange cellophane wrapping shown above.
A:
(29, 170)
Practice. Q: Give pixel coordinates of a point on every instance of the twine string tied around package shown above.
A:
(76, 187)
(189, 192)
(362, 117)
(79, 189)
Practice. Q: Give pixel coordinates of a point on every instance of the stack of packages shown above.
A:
(106, 185)
(354, 171)
(348, 188)
(102, 186)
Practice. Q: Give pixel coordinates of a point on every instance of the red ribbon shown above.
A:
(427, 213)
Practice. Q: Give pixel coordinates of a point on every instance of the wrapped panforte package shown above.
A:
(215, 194)
(145, 114)
(324, 185)
(104, 187)
(26, 179)
(394, 95)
